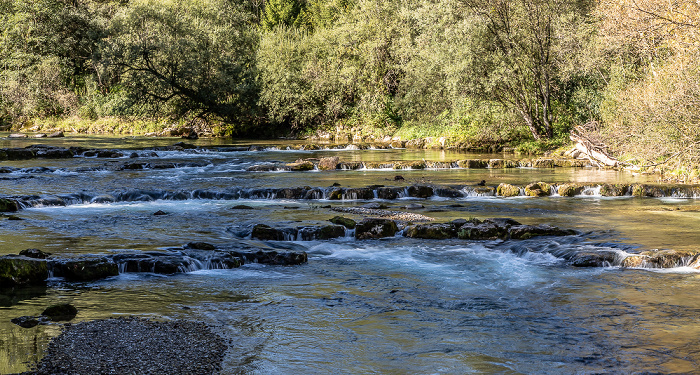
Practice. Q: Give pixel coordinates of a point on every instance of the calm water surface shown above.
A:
(390, 306)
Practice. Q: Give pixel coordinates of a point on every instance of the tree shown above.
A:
(518, 63)
(281, 12)
(185, 58)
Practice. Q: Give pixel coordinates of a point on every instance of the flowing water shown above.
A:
(395, 305)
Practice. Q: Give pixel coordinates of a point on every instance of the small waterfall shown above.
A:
(376, 193)
(403, 193)
(592, 191)
(349, 233)
(554, 190)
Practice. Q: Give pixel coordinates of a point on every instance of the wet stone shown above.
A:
(375, 228)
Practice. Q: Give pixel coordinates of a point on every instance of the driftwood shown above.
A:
(594, 150)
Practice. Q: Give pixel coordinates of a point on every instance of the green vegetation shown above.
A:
(518, 72)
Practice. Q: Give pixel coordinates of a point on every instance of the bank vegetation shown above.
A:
(509, 72)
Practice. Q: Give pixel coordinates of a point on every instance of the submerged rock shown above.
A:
(21, 270)
(60, 312)
(375, 228)
(8, 205)
(27, 321)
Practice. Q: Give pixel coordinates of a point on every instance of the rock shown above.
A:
(670, 258)
(58, 134)
(27, 321)
(415, 143)
(160, 213)
(496, 163)
(570, 190)
(431, 231)
(17, 135)
(358, 193)
(267, 167)
(329, 163)
(472, 164)
(34, 253)
(267, 233)
(86, 269)
(325, 232)
(21, 270)
(344, 221)
(19, 154)
(481, 231)
(60, 312)
(448, 192)
(241, 207)
(524, 232)
(507, 190)
(538, 189)
(301, 166)
(389, 193)
(593, 259)
(291, 193)
(375, 228)
(287, 258)
(190, 134)
(543, 163)
(614, 190)
(40, 135)
(398, 178)
(420, 191)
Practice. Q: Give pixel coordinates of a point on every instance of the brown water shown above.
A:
(396, 305)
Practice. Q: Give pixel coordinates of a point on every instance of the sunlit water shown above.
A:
(390, 306)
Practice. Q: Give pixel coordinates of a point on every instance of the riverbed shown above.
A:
(393, 305)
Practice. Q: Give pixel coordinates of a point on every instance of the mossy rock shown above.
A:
(593, 259)
(344, 221)
(60, 312)
(507, 190)
(8, 205)
(543, 163)
(671, 258)
(570, 190)
(538, 189)
(483, 231)
(20, 270)
(497, 164)
(635, 261)
(336, 195)
(417, 164)
(430, 231)
(301, 166)
(327, 232)
(614, 190)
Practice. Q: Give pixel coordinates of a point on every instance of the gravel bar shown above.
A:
(134, 346)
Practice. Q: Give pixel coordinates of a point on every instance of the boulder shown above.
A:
(538, 189)
(543, 163)
(329, 163)
(593, 259)
(60, 312)
(420, 191)
(21, 270)
(507, 190)
(344, 221)
(496, 163)
(350, 165)
(85, 269)
(19, 154)
(415, 164)
(286, 258)
(670, 258)
(375, 228)
(448, 192)
(431, 231)
(524, 232)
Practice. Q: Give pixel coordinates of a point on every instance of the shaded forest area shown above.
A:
(525, 72)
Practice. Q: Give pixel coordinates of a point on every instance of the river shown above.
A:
(392, 306)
